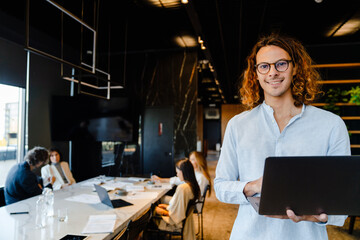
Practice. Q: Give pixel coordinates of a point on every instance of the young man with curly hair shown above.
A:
(278, 86)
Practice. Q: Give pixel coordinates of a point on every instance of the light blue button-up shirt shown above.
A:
(250, 138)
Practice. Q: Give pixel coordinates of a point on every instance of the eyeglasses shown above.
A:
(280, 66)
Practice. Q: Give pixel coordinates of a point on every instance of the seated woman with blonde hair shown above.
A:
(57, 171)
(174, 213)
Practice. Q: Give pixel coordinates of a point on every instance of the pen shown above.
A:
(19, 213)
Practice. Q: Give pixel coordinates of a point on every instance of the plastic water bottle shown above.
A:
(41, 212)
(49, 201)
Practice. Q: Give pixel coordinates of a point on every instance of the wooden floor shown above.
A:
(219, 218)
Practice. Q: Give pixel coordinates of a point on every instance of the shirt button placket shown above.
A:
(278, 146)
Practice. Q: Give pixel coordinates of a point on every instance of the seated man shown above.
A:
(21, 183)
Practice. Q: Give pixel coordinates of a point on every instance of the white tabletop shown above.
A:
(22, 226)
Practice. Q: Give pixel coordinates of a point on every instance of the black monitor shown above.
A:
(105, 120)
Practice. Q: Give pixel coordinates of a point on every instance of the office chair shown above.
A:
(121, 236)
(352, 223)
(2, 197)
(135, 227)
(189, 210)
(199, 212)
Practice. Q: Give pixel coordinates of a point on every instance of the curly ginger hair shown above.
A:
(305, 85)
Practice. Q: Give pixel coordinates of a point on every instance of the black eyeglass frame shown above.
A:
(269, 64)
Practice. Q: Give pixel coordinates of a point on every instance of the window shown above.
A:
(11, 121)
(109, 153)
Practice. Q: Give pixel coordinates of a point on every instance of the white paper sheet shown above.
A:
(137, 179)
(112, 185)
(84, 198)
(90, 183)
(160, 186)
(142, 195)
(100, 224)
(132, 188)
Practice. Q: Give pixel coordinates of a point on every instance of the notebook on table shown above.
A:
(105, 199)
(310, 185)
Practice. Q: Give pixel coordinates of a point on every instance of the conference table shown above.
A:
(81, 202)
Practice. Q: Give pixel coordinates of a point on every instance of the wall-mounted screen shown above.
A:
(104, 120)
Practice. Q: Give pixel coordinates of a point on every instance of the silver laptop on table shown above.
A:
(105, 199)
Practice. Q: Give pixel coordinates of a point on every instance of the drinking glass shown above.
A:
(62, 214)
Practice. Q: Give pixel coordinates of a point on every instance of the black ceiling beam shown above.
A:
(223, 47)
(193, 16)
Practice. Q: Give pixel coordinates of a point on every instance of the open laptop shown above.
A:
(105, 199)
(310, 185)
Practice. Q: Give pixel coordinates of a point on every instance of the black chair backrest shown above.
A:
(202, 200)
(205, 192)
(2, 197)
(122, 235)
(134, 228)
(190, 209)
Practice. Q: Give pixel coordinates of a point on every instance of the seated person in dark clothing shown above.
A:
(21, 183)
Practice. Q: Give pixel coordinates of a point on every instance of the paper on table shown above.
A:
(137, 179)
(138, 188)
(161, 186)
(84, 198)
(100, 224)
(90, 183)
(112, 185)
(142, 195)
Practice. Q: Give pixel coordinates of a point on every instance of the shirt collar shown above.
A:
(270, 111)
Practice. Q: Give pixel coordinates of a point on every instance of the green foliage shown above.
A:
(354, 93)
(333, 96)
(336, 95)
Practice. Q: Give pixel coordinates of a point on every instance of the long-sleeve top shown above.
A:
(51, 171)
(254, 135)
(21, 183)
(200, 178)
(177, 213)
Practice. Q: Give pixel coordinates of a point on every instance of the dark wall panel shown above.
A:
(12, 64)
(44, 82)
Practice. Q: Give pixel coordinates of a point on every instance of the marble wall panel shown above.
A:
(173, 82)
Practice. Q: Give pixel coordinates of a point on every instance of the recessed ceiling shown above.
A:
(222, 31)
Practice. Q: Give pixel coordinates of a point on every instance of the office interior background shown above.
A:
(128, 87)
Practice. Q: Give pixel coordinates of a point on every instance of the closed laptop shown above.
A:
(310, 185)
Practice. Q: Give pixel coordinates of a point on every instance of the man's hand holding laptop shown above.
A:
(254, 187)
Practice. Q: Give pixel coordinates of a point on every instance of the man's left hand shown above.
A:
(310, 218)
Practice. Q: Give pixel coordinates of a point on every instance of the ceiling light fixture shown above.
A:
(165, 3)
(348, 28)
(184, 1)
(185, 41)
(206, 80)
(211, 89)
(201, 42)
(204, 64)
